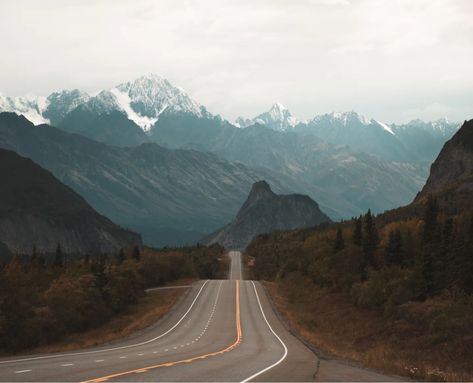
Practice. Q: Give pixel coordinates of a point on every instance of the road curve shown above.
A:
(222, 331)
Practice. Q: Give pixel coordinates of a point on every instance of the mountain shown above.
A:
(451, 174)
(264, 212)
(59, 104)
(417, 141)
(346, 162)
(277, 118)
(37, 210)
(344, 182)
(169, 196)
(31, 107)
(40, 110)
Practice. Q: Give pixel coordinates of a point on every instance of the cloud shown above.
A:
(239, 56)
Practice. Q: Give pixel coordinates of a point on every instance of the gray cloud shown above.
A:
(383, 58)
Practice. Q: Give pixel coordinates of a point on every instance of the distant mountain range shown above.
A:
(169, 196)
(263, 212)
(344, 161)
(38, 212)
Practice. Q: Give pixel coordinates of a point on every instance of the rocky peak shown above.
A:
(454, 163)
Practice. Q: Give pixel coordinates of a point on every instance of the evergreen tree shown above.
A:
(370, 239)
(358, 231)
(339, 242)
(430, 239)
(58, 259)
(394, 253)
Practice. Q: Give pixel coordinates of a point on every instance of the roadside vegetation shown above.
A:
(395, 293)
(45, 302)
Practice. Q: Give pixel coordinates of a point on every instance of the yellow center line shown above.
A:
(189, 360)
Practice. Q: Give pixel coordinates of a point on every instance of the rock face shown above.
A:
(37, 210)
(265, 211)
(453, 168)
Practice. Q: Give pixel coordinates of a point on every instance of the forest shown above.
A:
(409, 282)
(43, 300)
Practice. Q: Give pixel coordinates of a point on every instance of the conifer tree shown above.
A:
(393, 253)
(358, 231)
(370, 239)
(339, 242)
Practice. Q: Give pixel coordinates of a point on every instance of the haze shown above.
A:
(393, 60)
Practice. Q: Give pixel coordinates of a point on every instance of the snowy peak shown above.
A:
(349, 120)
(59, 104)
(277, 117)
(145, 98)
(142, 100)
(32, 107)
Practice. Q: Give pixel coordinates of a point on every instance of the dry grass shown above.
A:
(334, 325)
(149, 309)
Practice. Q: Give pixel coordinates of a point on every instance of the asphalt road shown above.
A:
(223, 330)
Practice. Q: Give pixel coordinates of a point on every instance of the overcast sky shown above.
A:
(393, 60)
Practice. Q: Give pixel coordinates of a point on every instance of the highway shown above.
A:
(222, 330)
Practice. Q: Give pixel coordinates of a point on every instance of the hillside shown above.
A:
(169, 196)
(38, 211)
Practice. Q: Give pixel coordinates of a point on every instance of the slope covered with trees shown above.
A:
(42, 302)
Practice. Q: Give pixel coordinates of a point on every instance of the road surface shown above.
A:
(223, 330)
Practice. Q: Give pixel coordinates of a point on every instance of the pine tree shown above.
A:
(370, 239)
(357, 231)
(394, 252)
(339, 242)
(430, 239)
(58, 259)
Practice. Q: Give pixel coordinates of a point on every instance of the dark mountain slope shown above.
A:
(112, 128)
(156, 191)
(37, 210)
(265, 211)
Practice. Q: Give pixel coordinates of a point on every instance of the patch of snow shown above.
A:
(386, 127)
(124, 102)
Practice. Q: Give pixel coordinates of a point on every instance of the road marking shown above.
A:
(140, 354)
(274, 333)
(235, 344)
(115, 348)
(22, 371)
(123, 357)
(99, 360)
(67, 364)
(166, 350)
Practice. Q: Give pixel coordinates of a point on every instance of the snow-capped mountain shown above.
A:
(59, 104)
(277, 118)
(142, 100)
(44, 110)
(32, 107)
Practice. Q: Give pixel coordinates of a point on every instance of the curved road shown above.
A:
(223, 330)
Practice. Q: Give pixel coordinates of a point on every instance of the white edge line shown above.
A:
(115, 348)
(276, 335)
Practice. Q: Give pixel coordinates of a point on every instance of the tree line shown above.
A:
(42, 301)
(380, 265)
